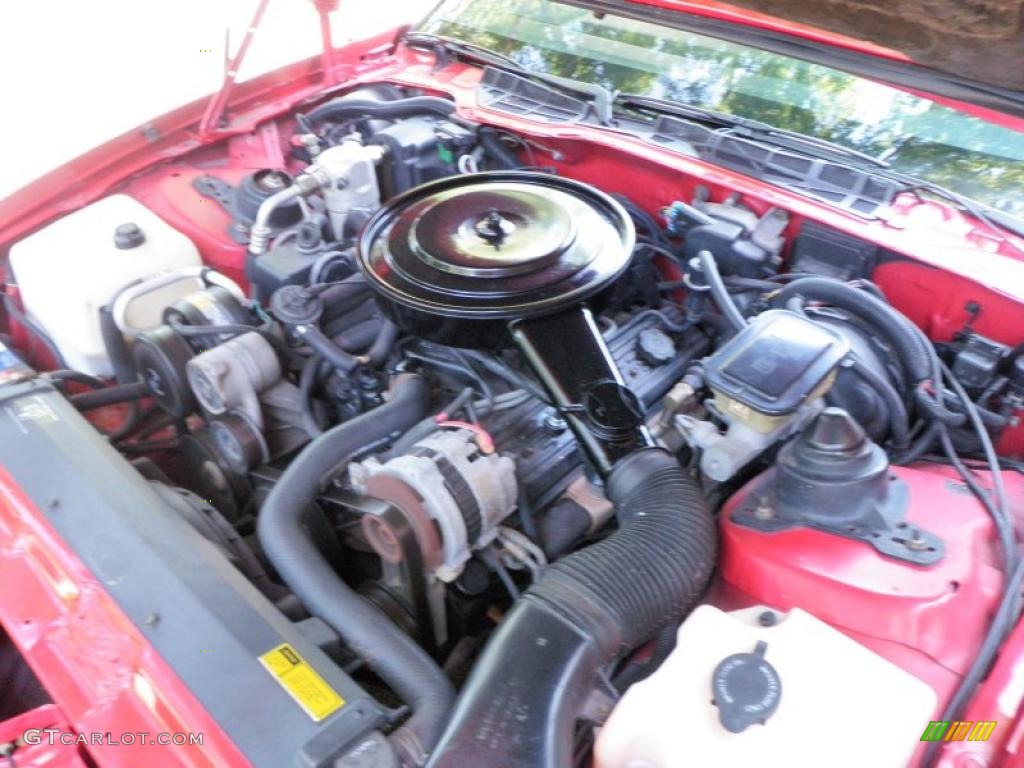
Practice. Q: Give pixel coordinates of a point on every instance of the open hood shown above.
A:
(980, 41)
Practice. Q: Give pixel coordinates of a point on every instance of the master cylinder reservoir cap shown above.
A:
(746, 689)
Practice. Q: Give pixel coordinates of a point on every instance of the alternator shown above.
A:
(452, 492)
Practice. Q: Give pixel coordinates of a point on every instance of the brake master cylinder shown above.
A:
(768, 381)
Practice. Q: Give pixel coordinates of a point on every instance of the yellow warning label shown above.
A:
(309, 690)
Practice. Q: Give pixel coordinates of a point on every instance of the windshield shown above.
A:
(916, 136)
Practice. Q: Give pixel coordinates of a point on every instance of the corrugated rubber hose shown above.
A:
(519, 707)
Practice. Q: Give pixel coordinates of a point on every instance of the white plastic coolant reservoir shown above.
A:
(69, 269)
(838, 704)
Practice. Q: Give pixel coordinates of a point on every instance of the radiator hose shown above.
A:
(520, 703)
(371, 635)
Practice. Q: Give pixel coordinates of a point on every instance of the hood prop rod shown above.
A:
(213, 117)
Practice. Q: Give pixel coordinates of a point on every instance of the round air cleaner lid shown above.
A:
(506, 244)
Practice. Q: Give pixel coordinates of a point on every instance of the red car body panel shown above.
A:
(57, 755)
(90, 657)
(927, 621)
(99, 667)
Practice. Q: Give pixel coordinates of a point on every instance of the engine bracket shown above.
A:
(882, 525)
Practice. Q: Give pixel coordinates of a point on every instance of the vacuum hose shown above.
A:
(527, 689)
(371, 635)
(491, 141)
(720, 293)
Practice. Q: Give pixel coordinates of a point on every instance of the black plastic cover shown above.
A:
(420, 149)
(285, 264)
(851, 189)
(735, 252)
(776, 362)
(977, 362)
(825, 251)
(508, 92)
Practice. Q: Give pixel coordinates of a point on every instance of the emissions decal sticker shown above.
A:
(302, 682)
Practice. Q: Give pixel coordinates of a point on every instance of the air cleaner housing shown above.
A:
(494, 246)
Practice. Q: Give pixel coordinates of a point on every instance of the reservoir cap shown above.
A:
(128, 235)
(746, 689)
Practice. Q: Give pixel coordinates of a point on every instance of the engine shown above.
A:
(602, 468)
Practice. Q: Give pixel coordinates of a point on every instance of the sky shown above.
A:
(79, 72)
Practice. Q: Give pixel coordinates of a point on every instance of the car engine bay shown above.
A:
(556, 461)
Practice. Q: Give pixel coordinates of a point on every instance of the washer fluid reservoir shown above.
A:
(757, 687)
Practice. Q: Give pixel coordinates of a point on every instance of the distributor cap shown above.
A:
(498, 245)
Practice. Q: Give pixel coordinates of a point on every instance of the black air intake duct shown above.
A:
(520, 704)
